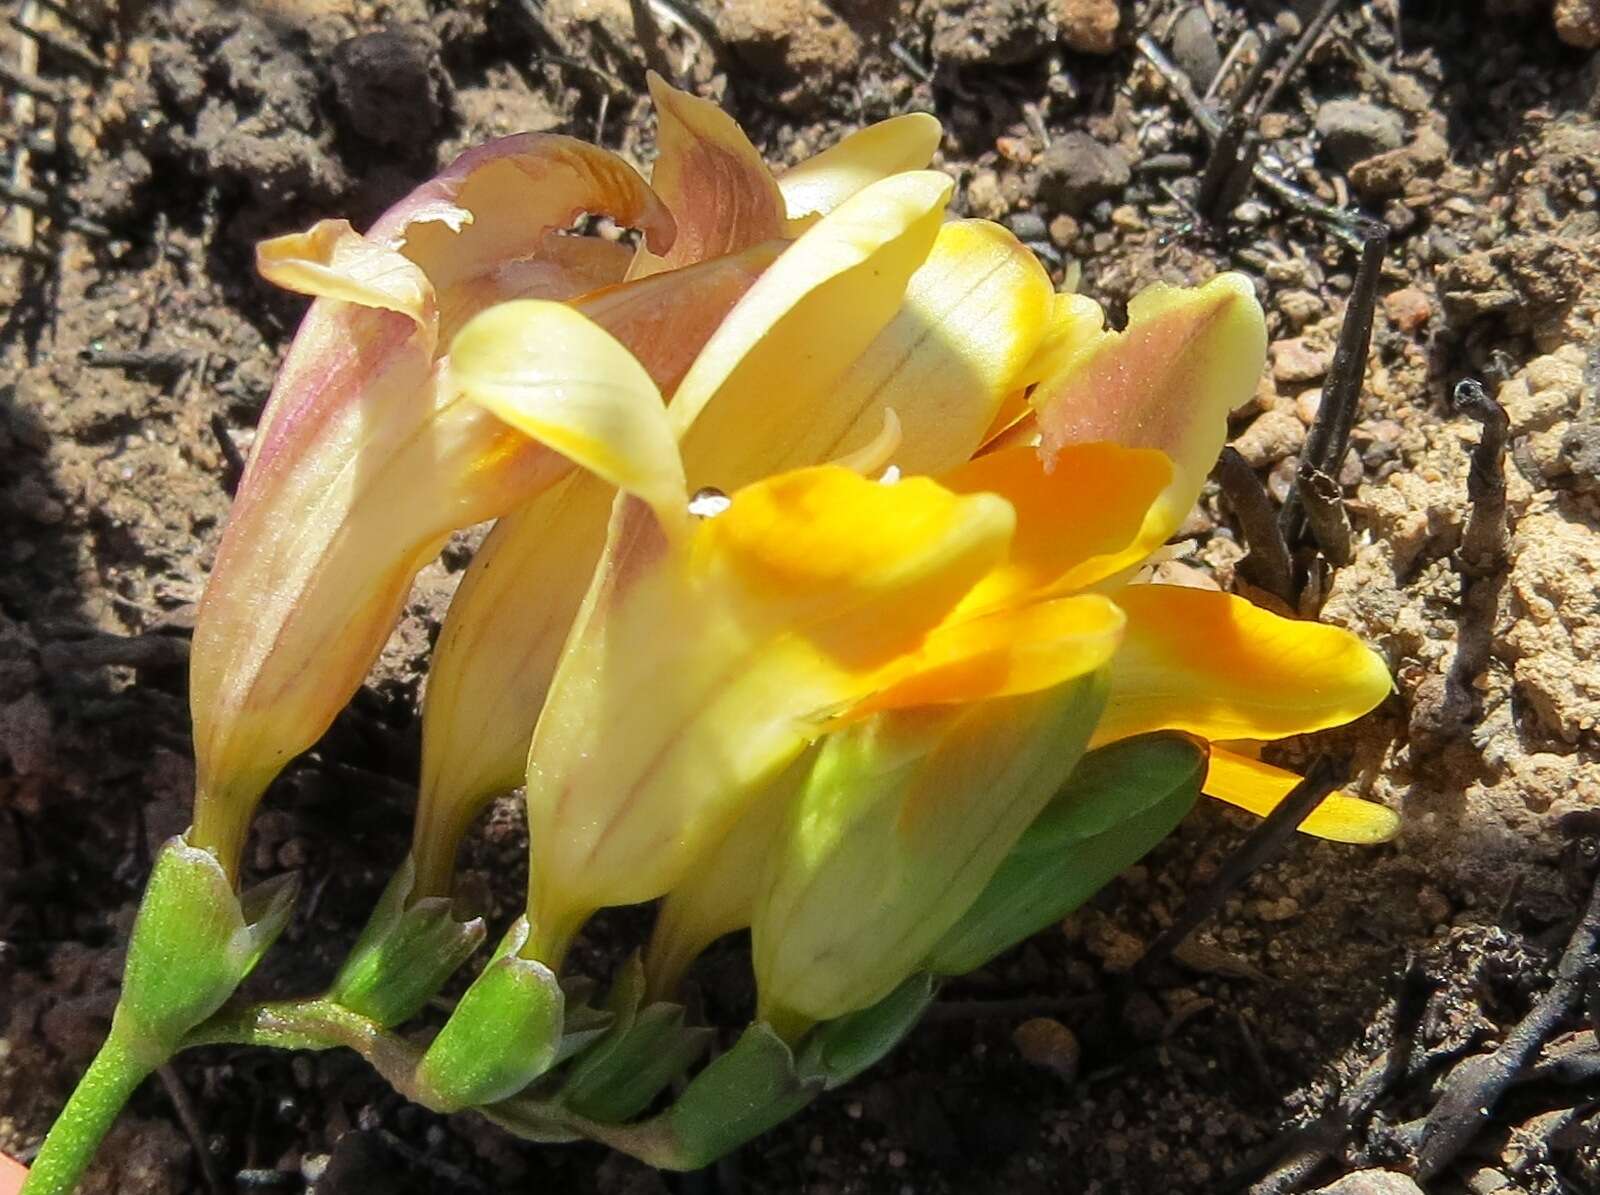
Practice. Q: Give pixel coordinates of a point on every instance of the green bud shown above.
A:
(1119, 802)
(405, 953)
(193, 943)
(504, 1034)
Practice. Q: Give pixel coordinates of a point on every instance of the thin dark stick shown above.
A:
(1302, 50)
(38, 88)
(233, 459)
(1268, 565)
(1306, 1150)
(60, 47)
(1326, 516)
(137, 360)
(647, 32)
(153, 650)
(1347, 226)
(1474, 1086)
(40, 202)
(1329, 436)
(1483, 543)
(1271, 49)
(1215, 197)
(190, 1120)
(1266, 841)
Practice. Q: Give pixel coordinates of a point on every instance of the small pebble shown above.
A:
(1088, 26)
(1077, 172)
(1293, 360)
(1408, 308)
(1354, 129)
(1194, 47)
(1046, 1042)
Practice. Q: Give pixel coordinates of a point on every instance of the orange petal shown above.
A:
(1003, 654)
(1260, 788)
(1217, 666)
(1187, 358)
(1077, 523)
(711, 178)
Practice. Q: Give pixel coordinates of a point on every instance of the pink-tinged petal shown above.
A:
(711, 178)
(824, 181)
(497, 203)
(1259, 788)
(1214, 665)
(1187, 358)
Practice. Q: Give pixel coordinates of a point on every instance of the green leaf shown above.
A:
(741, 1095)
(1119, 803)
(619, 1078)
(840, 1050)
(504, 1033)
(405, 953)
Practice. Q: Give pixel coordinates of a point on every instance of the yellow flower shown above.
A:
(365, 459)
(878, 317)
(846, 886)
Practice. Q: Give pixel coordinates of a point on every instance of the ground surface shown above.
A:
(197, 131)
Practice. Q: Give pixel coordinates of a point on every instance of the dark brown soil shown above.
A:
(180, 133)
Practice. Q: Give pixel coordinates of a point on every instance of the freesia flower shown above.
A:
(365, 460)
(875, 317)
(873, 850)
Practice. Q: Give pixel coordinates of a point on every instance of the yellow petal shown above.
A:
(1259, 788)
(711, 178)
(665, 319)
(1002, 654)
(1078, 522)
(796, 331)
(824, 181)
(1187, 358)
(697, 670)
(560, 379)
(330, 260)
(971, 317)
(718, 895)
(1214, 665)
(1076, 327)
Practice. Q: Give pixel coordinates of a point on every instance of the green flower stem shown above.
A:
(313, 1025)
(119, 1067)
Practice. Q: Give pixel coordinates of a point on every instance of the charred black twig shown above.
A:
(1329, 437)
(1267, 566)
(647, 32)
(1227, 173)
(1302, 50)
(85, 60)
(183, 1105)
(1264, 844)
(1475, 1085)
(1325, 513)
(1483, 543)
(157, 361)
(232, 458)
(156, 651)
(40, 202)
(1345, 225)
(1297, 1157)
(31, 84)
